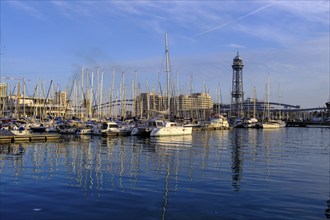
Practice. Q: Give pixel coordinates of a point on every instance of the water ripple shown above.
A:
(235, 174)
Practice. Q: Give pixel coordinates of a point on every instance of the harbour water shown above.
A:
(226, 174)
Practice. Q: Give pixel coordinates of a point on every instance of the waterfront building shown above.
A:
(149, 104)
(3, 90)
(3, 95)
(60, 99)
(26, 106)
(196, 105)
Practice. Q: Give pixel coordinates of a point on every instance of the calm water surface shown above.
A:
(235, 174)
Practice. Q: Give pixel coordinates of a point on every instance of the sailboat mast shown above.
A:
(23, 98)
(267, 95)
(92, 95)
(167, 74)
(82, 94)
(18, 97)
(112, 89)
(122, 95)
(219, 99)
(279, 100)
(254, 102)
(148, 100)
(191, 92)
(133, 98)
(101, 95)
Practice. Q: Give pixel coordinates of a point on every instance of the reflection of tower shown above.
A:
(237, 159)
(237, 94)
(327, 211)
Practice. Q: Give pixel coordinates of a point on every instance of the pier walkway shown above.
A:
(27, 138)
(308, 124)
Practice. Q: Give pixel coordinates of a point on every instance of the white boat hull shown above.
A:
(5, 132)
(171, 131)
(84, 131)
(273, 125)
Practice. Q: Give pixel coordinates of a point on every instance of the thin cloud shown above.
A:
(233, 45)
(317, 11)
(70, 10)
(271, 33)
(20, 5)
(235, 20)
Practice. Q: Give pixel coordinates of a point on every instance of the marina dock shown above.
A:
(308, 124)
(209, 128)
(27, 138)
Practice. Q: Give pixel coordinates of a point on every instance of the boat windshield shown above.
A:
(159, 123)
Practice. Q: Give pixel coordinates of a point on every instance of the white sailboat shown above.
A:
(269, 123)
(169, 128)
(253, 122)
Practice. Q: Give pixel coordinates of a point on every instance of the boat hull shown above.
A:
(171, 131)
(5, 132)
(141, 131)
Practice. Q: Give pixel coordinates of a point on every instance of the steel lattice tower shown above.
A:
(237, 94)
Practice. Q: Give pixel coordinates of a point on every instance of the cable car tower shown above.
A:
(237, 94)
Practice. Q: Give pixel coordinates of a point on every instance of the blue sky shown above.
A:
(287, 40)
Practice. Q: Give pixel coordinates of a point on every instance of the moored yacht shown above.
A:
(144, 130)
(238, 123)
(170, 129)
(109, 128)
(251, 123)
(273, 124)
(14, 128)
(218, 123)
(86, 130)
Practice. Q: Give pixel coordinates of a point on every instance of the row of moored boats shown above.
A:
(254, 123)
(154, 127)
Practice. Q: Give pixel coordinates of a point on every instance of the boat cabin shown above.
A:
(108, 125)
